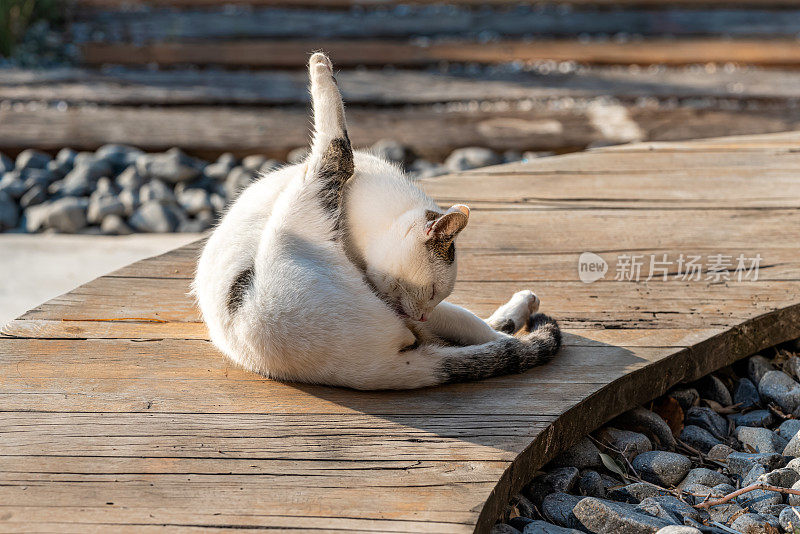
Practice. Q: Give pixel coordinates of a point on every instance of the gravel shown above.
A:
(751, 445)
(196, 192)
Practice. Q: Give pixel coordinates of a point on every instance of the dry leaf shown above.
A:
(611, 465)
(670, 411)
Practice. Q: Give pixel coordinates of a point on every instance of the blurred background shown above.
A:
(187, 100)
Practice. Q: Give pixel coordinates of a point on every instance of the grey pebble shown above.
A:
(685, 397)
(193, 201)
(502, 528)
(754, 524)
(635, 493)
(101, 207)
(581, 455)
(254, 162)
(788, 428)
(119, 156)
(172, 166)
(746, 394)
(155, 217)
(32, 159)
(391, 150)
(671, 508)
(605, 517)
(463, 159)
(9, 212)
(761, 439)
(662, 468)
(558, 480)
(709, 420)
(780, 388)
(35, 195)
(13, 185)
(784, 477)
(66, 156)
(631, 444)
(793, 447)
(757, 367)
(719, 452)
(557, 508)
(758, 500)
(590, 484)
(6, 163)
(541, 527)
(648, 423)
(707, 477)
(130, 178)
(740, 463)
(711, 387)
(115, 225)
(699, 438)
(156, 191)
(763, 418)
(679, 529)
(790, 519)
(67, 215)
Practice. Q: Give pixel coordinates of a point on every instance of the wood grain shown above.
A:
(294, 54)
(118, 413)
(134, 86)
(432, 131)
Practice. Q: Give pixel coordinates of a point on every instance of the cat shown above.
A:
(334, 271)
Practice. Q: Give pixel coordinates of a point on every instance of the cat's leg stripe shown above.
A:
(335, 168)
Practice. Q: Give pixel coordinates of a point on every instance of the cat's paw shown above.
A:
(513, 315)
(320, 64)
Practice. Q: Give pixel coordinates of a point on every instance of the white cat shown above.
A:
(334, 271)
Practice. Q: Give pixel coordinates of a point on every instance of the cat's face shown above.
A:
(415, 268)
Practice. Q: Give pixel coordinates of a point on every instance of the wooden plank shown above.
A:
(438, 21)
(294, 54)
(379, 87)
(432, 131)
(170, 433)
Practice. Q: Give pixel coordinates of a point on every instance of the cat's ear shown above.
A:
(450, 224)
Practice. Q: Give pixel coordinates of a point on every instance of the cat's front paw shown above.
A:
(512, 316)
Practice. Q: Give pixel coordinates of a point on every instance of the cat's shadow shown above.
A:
(503, 413)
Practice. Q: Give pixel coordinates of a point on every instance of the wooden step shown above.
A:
(396, 87)
(432, 131)
(294, 54)
(436, 21)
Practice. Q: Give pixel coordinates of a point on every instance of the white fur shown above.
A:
(317, 310)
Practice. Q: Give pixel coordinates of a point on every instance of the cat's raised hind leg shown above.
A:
(330, 164)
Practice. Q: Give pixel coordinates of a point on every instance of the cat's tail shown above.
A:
(506, 356)
(432, 364)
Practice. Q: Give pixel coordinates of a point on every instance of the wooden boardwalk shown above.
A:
(119, 415)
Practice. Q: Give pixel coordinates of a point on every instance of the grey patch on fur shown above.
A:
(508, 327)
(442, 249)
(335, 170)
(242, 282)
(507, 356)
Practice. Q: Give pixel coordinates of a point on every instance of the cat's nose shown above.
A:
(423, 318)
